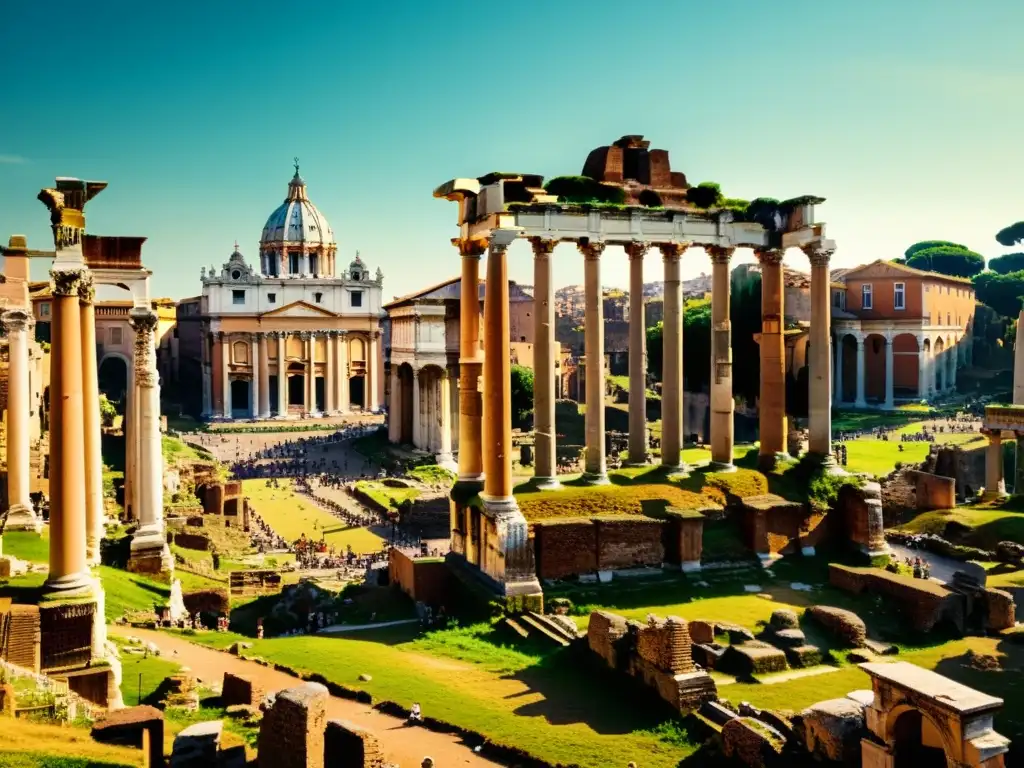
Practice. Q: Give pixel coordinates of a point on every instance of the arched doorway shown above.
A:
(405, 383)
(241, 402)
(917, 743)
(939, 367)
(905, 367)
(113, 377)
(357, 391)
(296, 386)
(848, 350)
(874, 368)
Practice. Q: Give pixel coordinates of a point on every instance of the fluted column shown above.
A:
(207, 378)
(595, 470)
(263, 362)
(545, 472)
(820, 364)
(772, 405)
(21, 514)
(417, 417)
(445, 423)
(372, 372)
(282, 375)
(889, 371)
(149, 552)
(395, 407)
(346, 400)
(722, 404)
(922, 370)
(471, 468)
(672, 360)
(254, 368)
(497, 370)
(129, 425)
(329, 384)
(637, 355)
(995, 486)
(92, 428)
(68, 566)
(860, 401)
(225, 381)
(307, 348)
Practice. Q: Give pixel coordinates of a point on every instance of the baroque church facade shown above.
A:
(291, 336)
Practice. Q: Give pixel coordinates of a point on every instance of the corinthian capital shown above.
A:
(86, 289)
(66, 282)
(771, 256)
(143, 320)
(636, 249)
(719, 254)
(543, 246)
(17, 320)
(671, 251)
(591, 249)
(820, 253)
(468, 247)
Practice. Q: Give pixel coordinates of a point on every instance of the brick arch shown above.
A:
(892, 730)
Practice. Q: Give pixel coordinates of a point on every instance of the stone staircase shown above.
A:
(21, 644)
(549, 628)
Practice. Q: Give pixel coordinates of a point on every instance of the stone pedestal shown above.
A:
(772, 405)
(722, 404)
(545, 347)
(21, 515)
(595, 469)
(149, 552)
(637, 356)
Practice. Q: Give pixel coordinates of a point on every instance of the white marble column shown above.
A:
(395, 407)
(995, 485)
(922, 370)
(637, 355)
(254, 388)
(860, 402)
(130, 425)
(820, 364)
(372, 372)
(417, 416)
(672, 360)
(207, 377)
(545, 471)
(445, 405)
(92, 428)
(345, 398)
(838, 391)
(149, 552)
(21, 513)
(282, 375)
(595, 469)
(329, 383)
(225, 381)
(890, 371)
(263, 362)
(723, 406)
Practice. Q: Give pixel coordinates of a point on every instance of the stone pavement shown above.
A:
(402, 744)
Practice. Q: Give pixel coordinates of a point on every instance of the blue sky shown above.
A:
(906, 115)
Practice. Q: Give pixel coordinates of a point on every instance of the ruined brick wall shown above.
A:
(604, 631)
(206, 601)
(421, 579)
(862, 518)
(346, 745)
(899, 494)
(565, 548)
(192, 541)
(1000, 609)
(213, 498)
(232, 489)
(627, 543)
(292, 730)
(923, 602)
(240, 689)
(23, 638)
(665, 643)
(935, 492)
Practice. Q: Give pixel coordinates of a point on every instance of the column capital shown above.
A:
(66, 282)
(143, 320)
(343, 332)
(720, 254)
(819, 253)
(771, 256)
(17, 320)
(672, 251)
(637, 249)
(470, 248)
(591, 249)
(501, 239)
(305, 335)
(86, 289)
(543, 246)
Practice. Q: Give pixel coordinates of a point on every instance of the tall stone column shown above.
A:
(130, 425)
(417, 407)
(254, 367)
(307, 348)
(330, 393)
(922, 369)
(21, 514)
(890, 371)
(545, 472)
(772, 406)
(995, 486)
(672, 361)
(595, 470)
(92, 428)
(149, 552)
(820, 366)
(373, 372)
(345, 401)
(722, 403)
(471, 468)
(68, 565)
(444, 391)
(394, 407)
(637, 355)
(282, 375)
(860, 402)
(207, 378)
(839, 369)
(225, 380)
(264, 368)
(314, 406)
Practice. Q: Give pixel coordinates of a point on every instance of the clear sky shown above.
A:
(905, 114)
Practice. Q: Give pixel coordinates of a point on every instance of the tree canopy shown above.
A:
(1011, 235)
(522, 393)
(1007, 263)
(926, 244)
(1002, 293)
(949, 259)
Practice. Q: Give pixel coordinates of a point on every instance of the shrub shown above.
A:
(1007, 263)
(583, 189)
(704, 195)
(649, 198)
(739, 484)
(764, 211)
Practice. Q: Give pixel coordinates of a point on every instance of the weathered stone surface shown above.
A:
(702, 632)
(1010, 552)
(240, 689)
(752, 658)
(752, 742)
(833, 729)
(789, 638)
(924, 603)
(237, 648)
(346, 745)
(292, 730)
(845, 625)
(197, 745)
(803, 656)
(784, 619)
(140, 727)
(1000, 609)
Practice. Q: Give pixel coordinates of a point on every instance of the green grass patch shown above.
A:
(142, 675)
(175, 449)
(385, 495)
(25, 545)
(985, 525)
(432, 474)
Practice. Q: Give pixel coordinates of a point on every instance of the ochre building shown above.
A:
(293, 335)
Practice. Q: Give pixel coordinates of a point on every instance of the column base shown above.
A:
(151, 555)
(545, 483)
(681, 468)
(263, 416)
(465, 489)
(72, 585)
(860, 404)
(721, 466)
(767, 559)
(994, 495)
(766, 462)
(23, 518)
(690, 566)
(642, 461)
(596, 478)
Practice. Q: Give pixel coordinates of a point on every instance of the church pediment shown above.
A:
(298, 309)
(882, 270)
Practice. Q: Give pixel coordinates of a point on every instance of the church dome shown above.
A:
(297, 220)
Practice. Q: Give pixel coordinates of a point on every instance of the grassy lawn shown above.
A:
(174, 449)
(989, 523)
(384, 494)
(291, 515)
(27, 744)
(879, 457)
(25, 545)
(432, 474)
(142, 676)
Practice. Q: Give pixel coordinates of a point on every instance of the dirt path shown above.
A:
(401, 744)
